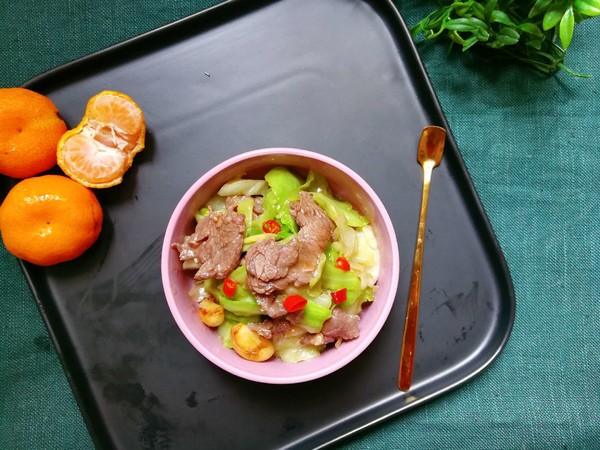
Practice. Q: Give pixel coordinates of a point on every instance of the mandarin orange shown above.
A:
(99, 151)
(49, 219)
(30, 128)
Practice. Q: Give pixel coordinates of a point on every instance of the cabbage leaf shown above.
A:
(242, 186)
(335, 208)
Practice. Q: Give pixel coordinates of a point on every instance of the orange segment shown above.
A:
(49, 219)
(114, 108)
(86, 159)
(99, 151)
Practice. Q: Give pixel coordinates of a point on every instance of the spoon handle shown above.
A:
(412, 310)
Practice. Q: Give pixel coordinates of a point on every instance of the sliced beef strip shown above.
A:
(270, 328)
(280, 327)
(273, 266)
(231, 202)
(267, 265)
(341, 325)
(264, 328)
(258, 206)
(215, 245)
(311, 218)
(315, 339)
(271, 306)
(315, 233)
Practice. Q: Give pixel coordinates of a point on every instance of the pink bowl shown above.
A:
(347, 185)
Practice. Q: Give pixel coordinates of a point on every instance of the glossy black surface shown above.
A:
(339, 77)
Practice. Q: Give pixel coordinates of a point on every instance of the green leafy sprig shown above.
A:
(535, 32)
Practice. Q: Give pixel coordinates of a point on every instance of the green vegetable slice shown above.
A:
(334, 208)
(314, 316)
(243, 302)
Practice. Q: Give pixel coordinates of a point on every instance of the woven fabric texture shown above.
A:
(531, 144)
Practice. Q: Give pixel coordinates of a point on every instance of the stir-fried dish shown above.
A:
(282, 267)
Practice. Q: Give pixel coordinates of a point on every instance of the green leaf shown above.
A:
(535, 43)
(480, 34)
(461, 8)
(530, 28)
(554, 15)
(567, 27)
(470, 42)
(490, 7)
(506, 36)
(478, 11)
(509, 32)
(501, 17)
(455, 37)
(539, 7)
(461, 24)
(534, 40)
(590, 8)
(502, 41)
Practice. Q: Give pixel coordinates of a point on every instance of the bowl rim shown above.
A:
(364, 340)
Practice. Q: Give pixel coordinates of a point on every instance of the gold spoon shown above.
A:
(429, 155)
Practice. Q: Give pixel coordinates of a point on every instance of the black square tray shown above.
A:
(340, 77)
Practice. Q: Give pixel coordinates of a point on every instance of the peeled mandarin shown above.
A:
(99, 151)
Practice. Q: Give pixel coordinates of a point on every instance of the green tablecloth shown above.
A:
(531, 144)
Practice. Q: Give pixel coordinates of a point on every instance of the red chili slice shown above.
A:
(294, 303)
(271, 226)
(342, 264)
(339, 296)
(229, 287)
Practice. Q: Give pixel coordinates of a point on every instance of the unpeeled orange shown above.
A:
(49, 219)
(99, 151)
(30, 128)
